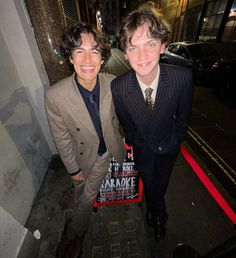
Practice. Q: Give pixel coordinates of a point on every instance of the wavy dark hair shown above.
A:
(72, 40)
(149, 13)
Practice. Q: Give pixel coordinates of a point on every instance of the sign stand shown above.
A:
(122, 184)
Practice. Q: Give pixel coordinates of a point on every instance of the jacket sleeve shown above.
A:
(184, 110)
(61, 135)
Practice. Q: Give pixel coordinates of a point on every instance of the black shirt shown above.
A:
(91, 100)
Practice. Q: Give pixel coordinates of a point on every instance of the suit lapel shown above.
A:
(79, 108)
(135, 91)
(162, 89)
(105, 99)
(162, 97)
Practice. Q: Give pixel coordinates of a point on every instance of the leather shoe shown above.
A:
(159, 226)
(184, 250)
(69, 248)
(75, 249)
(149, 217)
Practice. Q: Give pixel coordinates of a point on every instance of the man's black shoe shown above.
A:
(159, 226)
(69, 248)
(149, 217)
(75, 249)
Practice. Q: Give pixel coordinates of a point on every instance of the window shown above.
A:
(182, 52)
(230, 27)
(179, 50)
(212, 20)
(173, 48)
(202, 50)
(69, 12)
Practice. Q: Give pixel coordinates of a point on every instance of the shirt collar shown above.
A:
(153, 85)
(86, 92)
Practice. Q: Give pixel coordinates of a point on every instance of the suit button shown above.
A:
(81, 143)
(81, 153)
(160, 148)
(77, 129)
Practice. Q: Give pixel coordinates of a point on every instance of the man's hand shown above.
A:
(79, 177)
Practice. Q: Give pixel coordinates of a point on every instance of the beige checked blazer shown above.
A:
(72, 128)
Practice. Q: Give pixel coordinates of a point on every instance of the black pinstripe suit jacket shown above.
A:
(163, 129)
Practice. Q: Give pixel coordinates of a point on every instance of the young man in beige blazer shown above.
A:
(82, 119)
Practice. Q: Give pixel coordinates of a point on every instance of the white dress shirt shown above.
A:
(153, 85)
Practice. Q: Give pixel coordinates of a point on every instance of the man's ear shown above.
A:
(163, 47)
(71, 60)
(125, 56)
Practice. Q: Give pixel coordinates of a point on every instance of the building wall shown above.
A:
(49, 26)
(191, 23)
(10, 235)
(170, 10)
(25, 139)
(194, 3)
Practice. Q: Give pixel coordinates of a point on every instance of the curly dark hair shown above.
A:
(147, 13)
(72, 40)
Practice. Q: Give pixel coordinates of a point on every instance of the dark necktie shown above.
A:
(149, 100)
(96, 117)
(97, 123)
(93, 104)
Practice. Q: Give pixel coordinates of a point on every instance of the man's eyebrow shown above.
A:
(151, 40)
(132, 45)
(91, 48)
(75, 48)
(96, 48)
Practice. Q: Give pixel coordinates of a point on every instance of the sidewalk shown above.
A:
(120, 231)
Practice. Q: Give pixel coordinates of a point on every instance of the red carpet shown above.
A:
(209, 185)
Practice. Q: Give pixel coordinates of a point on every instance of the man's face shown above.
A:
(143, 54)
(87, 61)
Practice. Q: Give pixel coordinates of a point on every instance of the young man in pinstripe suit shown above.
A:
(153, 103)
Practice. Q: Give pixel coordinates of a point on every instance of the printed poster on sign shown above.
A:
(122, 183)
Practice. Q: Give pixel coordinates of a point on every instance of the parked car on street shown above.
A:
(199, 56)
(222, 78)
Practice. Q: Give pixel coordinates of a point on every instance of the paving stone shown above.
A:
(97, 252)
(115, 250)
(114, 227)
(98, 230)
(130, 225)
(133, 248)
